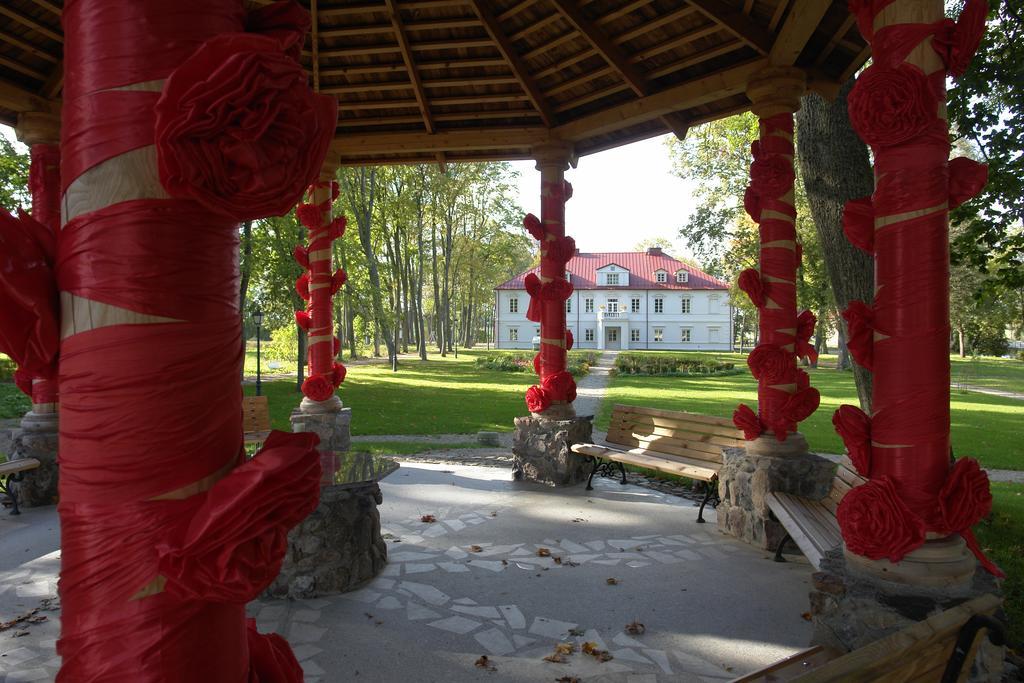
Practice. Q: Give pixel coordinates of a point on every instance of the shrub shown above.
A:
(579, 362)
(7, 368)
(13, 403)
(671, 365)
(283, 344)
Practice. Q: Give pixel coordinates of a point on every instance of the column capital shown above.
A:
(329, 169)
(776, 90)
(555, 154)
(37, 127)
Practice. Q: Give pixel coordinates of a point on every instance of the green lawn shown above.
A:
(989, 372)
(985, 427)
(408, 447)
(1000, 536)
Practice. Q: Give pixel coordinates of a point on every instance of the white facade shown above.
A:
(657, 319)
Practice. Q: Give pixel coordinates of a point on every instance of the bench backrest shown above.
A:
(846, 478)
(673, 433)
(255, 414)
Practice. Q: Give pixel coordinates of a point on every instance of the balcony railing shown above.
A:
(614, 315)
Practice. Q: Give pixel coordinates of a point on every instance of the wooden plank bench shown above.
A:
(936, 649)
(675, 442)
(255, 419)
(811, 524)
(12, 471)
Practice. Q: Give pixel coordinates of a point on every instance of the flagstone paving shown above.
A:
(507, 570)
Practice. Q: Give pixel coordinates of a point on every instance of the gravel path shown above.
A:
(991, 392)
(590, 391)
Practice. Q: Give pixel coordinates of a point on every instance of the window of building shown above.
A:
(682, 276)
(661, 276)
(611, 278)
(686, 305)
(513, 334)
(713, 303)
(634, 335)
(659, 305)
(685, 334)
(634, 305)
(568, 305)
(713, 334)
(588, 334)
(588, 305)
(513, 305)
(659, 334)
(613, 305)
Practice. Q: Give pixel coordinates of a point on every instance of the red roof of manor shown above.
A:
(641, 266)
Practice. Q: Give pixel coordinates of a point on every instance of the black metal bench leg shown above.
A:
(965, 639)
(590, 481)
(6, 488)
(622, 468)
(707, 497)
(778, 549)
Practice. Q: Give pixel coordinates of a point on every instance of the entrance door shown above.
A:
(611, 338)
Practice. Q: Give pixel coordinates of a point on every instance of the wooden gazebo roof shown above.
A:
(452, 80)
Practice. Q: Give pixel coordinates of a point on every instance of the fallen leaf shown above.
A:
(565, 648)
(485, 663)
(567, 679)
(578, 520)
(429, 519)
(504, 563)
(557, 560)
(368, 615)
(806, 616)
(494, 514)
(475, 549)
(543, 552)
(594, 651)
(612, 582)
(575, 632)
(635, 628)
(555, 658)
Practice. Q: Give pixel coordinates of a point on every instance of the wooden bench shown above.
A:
(12, 471)
(685, 444)
(936, 649)
(811, 524)
(255, 419)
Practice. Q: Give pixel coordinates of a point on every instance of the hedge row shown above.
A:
(579, 362)
(671, 365)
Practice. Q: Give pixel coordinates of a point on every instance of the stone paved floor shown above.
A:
(472, 583)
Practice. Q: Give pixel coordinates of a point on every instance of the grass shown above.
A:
(408, 447)
(984, 427)
(989, 372)
(1000, 535)
(13, 403)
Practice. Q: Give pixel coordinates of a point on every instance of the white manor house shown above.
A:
(626, 300)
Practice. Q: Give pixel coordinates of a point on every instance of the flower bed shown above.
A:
(579, 362)
(669, 364)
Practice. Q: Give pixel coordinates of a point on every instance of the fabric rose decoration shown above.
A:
(772, 175)
(231, 549)
(560, 386)
(770, 363)
(750, 282)
(303, 319)
(752, 203)
(805, 323)
(318, 388)
(534, 226)
(301, 255)
(957, 42)
(859, 224)
(239, 130)
(561, 249)
(556, 290)
(965, 498)
(747, 420)
(271, 657)
(876, 523)
(338, 373)
(537, 400)
(537, 363)
(569, 341)
(533, 287)
(302, 286)
(966, 179)
(889, 106)
(854, 427)
(860, 323)
(310, 215)
(801, 404)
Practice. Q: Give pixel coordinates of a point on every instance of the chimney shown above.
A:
(654, 251)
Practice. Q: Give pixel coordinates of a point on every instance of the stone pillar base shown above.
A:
(746, 479)
(851, 608)
(37, 438)
(333, 426)
(336, 549)
(541, 453)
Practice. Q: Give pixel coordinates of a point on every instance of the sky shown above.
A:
(620, 197)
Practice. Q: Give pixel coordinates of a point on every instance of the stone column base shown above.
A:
(336, 549)
(541, 453)
(746, 479)
(332, 426)
(851, 608)
(37, 438)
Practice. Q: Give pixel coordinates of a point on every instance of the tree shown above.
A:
(13, 175)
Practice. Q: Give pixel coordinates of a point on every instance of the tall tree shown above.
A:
(13, 175)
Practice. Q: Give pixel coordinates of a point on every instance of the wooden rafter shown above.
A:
(54, 84)
(27, 47)
(519, 69)
(410, 65)
(18, 99)
(448, 141)
(611, 53)
(803, 19)
(29, 22)
(315, 37)
(736, 23)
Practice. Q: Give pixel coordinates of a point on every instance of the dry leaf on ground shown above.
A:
(543, 552)
(557, 560)
(567, 679)
(555, 658)
(635, 628)
(576, 632)
(612, 582)
(806, 616)
(484, 663)
(594, 651)
(429, 519)
(565, 648)
(475, 549)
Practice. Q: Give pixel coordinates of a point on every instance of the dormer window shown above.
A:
(682, 277)
(611, 278)
(661, 276)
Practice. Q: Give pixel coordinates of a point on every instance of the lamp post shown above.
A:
(257, 317)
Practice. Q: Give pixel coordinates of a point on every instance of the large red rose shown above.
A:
(750, 282)
(771, 363)
(772, 175)
(239, 130)
(966, 179)
(746, 419)
(854, 427)
(805, 323)
(557, 290)
(537, 400)
(561, 249)
(889, 106)
(560, 386)
(569, 340)
(338, 373)
(801, 404)
(752, 203)
(876, 523)
(533, 226)
(965, 498)
(318, 388)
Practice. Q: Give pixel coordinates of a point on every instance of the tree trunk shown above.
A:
(843, 354)
(246, 274)
(960, 341)
(835, 167)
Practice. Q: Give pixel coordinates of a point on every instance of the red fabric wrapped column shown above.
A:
(898, 107)
(41, 132)
(179, 120)
(318, 285)
(554, 395)
(784, 394)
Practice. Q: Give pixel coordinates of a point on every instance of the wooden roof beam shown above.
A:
(19, 100)
(611, 53)
(27, 47)
(55, 83)
(736, 23)
(354, 144)
(677, 123)
(517, 65)
(28, 22)
(803, 19)
(410, 65)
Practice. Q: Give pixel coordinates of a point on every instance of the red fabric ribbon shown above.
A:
(560, 386)
(303, 320)
(876, 523)
(770, 364)
(805, 323)
(747, 420)
(568, 340)
(957, 42)
(859, 224)
(302, 286)
(270, 657)
(854, 427)
(534, 227)
(860, 323)
(750, 282)
(966, 179)
(533, 286)
(537, 399)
